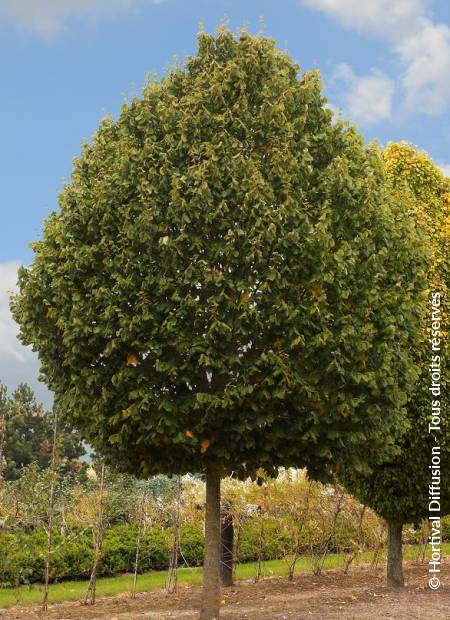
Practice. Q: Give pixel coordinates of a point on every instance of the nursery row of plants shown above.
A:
(120, 515)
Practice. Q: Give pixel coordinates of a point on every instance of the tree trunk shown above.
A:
(99, 531)
(260, 545)
(226, 548)
(51, 513)
(172, 577)
(2, 442)
(138, 543)
(395, 559)
(211, 564)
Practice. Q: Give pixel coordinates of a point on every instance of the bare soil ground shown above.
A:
(360, 595)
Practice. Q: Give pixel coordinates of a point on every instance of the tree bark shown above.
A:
(211, 564)
(51, 513)
(138, 543)
(395, 557)
(2, 442)
(226, 548)
(99, 531)
(172, 577)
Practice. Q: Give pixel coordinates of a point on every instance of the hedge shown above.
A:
(23, 554)
(22, 560)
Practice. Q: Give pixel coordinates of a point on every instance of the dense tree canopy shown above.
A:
(226, 280)
(227, 284)
(398, 488)
(27, 433)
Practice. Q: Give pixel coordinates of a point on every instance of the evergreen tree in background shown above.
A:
(26, 434)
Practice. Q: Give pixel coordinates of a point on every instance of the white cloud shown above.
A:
(47, 17)
(368, 98)
(9, 345)
(445, 169)
(422, 45)
(337, 112)
(426, 57)
(17, 363)
(380, 17)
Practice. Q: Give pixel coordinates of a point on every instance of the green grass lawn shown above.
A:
(110, 586)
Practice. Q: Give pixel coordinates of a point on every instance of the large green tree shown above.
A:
(26, 432)
(398, 489)
(226, 285)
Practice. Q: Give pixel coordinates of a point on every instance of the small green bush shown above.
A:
(275, 542)
(154, 553)
(15, 562)
(119, 550)
(77, 555)
(192, 542)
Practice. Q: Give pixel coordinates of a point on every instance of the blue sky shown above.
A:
(65, 63)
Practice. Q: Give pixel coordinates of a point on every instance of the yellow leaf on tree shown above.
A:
(204, 445)
(316, 290)
(132, 360)
(189, 434)
(245, 297)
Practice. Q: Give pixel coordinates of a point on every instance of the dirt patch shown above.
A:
(360, 595)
